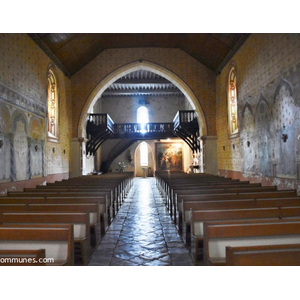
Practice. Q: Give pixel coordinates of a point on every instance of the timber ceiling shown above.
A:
(142, 83)
(72, 51)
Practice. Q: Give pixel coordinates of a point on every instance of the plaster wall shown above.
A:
(268, 76)
(26, 154)
(124, 110)
(199, 79)
(160, 108)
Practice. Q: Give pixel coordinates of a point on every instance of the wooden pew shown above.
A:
(165, 181)
(80, 222)
(219, 235)
(123, 182)
(178, 193)
(91, 208)
(169, 189)
(60, 189)
(22, 257)
(37, 193)
(57, 240)
(199, 217)
(104, 212)
(182, 210)
(187, 207)
(98, 221)
(104, 209)
(101, 197)
(269, 255)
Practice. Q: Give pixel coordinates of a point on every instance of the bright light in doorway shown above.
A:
(144, 154)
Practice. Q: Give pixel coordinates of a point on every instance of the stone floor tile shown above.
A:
(142, 233)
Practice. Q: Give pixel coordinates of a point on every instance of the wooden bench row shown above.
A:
(85, 214)
(212, 217)
(56, 240)
(219, 235)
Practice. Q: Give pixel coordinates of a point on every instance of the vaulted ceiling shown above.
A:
(142, 83)
(72, 51)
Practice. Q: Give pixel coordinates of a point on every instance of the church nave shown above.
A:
(142, 233)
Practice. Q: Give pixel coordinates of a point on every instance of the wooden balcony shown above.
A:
(186, 127)
(143, 131)
(101, 127)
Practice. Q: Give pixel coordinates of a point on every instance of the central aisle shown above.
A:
(142, 233)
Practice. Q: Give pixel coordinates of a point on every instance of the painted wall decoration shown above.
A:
(22, 136)
(270, 129)
(247, 135)
(169, 157)
(5, 145)
(36, 149)
(20, 149)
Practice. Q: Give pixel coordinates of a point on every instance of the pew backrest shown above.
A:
(57, 240)
(219, 235)
(270, 255)
(199, 217)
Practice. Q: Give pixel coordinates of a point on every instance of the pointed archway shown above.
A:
(140, 162)
(78, 161)
(147, 66)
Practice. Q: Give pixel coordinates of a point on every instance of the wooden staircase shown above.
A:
(101, 127)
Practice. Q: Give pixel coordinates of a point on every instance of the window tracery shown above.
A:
(52, 106)
(232, 103)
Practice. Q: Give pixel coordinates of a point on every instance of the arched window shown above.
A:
(142, 115)
(143, 118)
(52, 106)
(144, 154)
(232, 103)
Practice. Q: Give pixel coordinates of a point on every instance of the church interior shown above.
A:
(199, 117)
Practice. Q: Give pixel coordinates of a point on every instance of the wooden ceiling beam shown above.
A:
(141, 92)
(142, 81)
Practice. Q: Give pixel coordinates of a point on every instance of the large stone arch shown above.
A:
(135, 66)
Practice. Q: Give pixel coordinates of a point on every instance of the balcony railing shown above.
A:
(101, 127)
(101, 120)
(136, 128)
(185, 118)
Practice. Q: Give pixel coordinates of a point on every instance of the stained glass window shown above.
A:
(232, 103)
(52, 106)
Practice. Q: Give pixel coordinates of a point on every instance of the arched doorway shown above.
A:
(144, 160)
(81, 162)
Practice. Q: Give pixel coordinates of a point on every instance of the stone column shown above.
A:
(210, 154)
(76, 158)
(80, 163)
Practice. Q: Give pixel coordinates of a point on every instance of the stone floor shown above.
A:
(142, 233)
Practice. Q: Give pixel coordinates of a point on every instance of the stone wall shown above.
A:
(124, 110)
(160, 108)
(199, 79)
(268, 147)
(26, 158)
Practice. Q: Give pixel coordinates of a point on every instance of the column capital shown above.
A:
(208, 137)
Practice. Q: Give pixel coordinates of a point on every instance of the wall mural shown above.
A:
(20, 149)
(22, 138)
(169, 157)
(5, 169)
(270, 130)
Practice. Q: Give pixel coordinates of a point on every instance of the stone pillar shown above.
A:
(81, 164)
(210, 154)
(76, 158)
